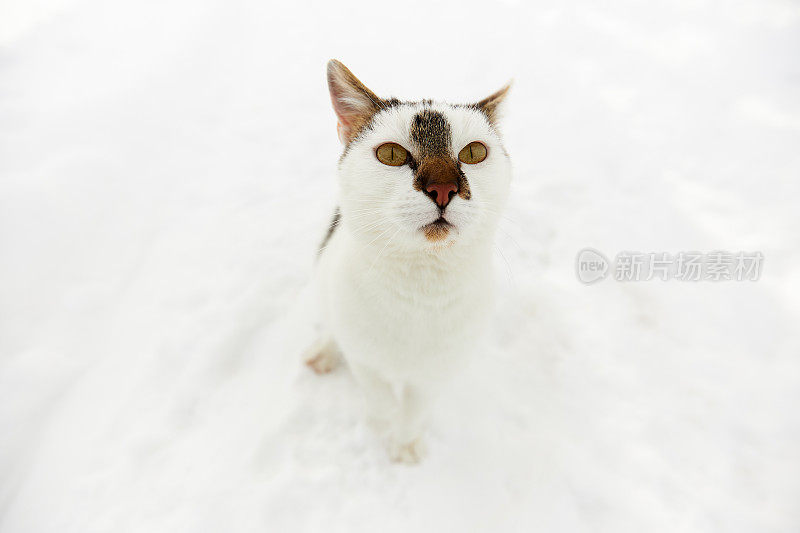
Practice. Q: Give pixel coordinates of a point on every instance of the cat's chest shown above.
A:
(417, 289)
(410, 321)
(419, 309)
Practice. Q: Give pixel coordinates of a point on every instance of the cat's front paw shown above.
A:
(323, 362)
(322, 357)
(408, 452)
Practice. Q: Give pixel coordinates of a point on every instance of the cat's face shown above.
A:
(419, 175)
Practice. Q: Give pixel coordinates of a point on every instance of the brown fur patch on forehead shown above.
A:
(430, 131)
(435, 164)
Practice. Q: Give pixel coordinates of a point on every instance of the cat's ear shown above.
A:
(353, 102)
(492, 105)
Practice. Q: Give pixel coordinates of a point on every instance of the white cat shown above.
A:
(405, 272)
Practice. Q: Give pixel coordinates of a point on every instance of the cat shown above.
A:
(404, 273)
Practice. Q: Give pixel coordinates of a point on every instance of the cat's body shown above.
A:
(405, 274)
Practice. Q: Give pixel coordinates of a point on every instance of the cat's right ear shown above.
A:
(353, 102)
(492, 105)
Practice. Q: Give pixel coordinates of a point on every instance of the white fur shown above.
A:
(406, 312)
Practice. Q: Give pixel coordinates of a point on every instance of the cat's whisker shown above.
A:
(379, 255)
(509, 271)
(384, 232)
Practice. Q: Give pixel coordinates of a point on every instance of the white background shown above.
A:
(167, 171)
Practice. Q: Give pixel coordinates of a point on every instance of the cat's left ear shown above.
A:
(353, 102)
(492, 105)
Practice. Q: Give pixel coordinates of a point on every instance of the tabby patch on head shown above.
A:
(417, 174)
(431, 132)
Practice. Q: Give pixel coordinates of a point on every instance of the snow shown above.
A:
(167, 171)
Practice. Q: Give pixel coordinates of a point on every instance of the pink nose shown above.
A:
(441, 193)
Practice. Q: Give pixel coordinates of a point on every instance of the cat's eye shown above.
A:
(391, 154)
(473, 153)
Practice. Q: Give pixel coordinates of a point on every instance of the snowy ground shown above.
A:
(166, 172)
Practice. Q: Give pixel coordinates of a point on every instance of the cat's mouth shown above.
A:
(437, 230)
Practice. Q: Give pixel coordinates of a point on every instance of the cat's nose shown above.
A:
(441, 193)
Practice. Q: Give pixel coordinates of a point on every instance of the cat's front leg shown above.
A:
(380, 402)
(406, 442)
(398, 413)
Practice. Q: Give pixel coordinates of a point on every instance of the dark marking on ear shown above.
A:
(490, 106)
(354, 103)
(337, 218)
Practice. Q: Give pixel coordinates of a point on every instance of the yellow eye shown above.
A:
(474, 152)
(391, 154)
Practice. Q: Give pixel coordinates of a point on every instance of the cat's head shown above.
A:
(423, 175)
